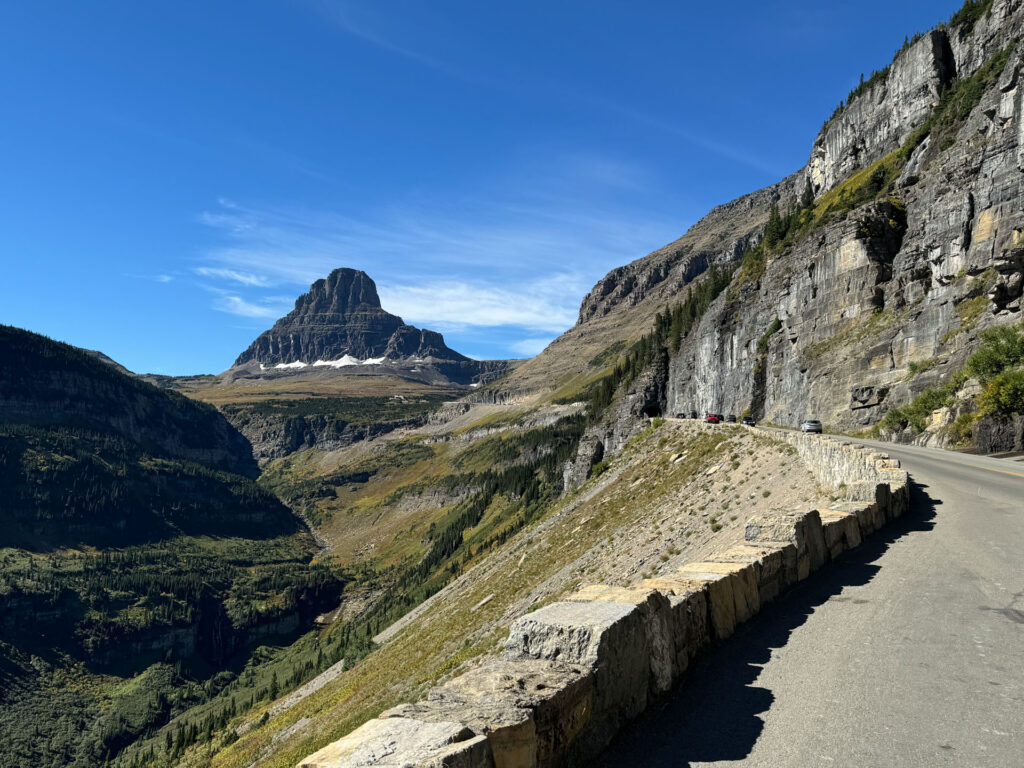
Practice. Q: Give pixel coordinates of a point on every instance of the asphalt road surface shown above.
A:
(908, 651)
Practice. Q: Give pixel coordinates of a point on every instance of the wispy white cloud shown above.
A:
(163, 278)
(233, 275)
(344, 16)
(520, 260)
(534, 305)
(520, 238)
(236, 305)
(735, 154)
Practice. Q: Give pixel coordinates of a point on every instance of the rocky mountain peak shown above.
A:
(341, 318)
(341, 292)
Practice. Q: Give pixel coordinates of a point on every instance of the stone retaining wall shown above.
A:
(573, 673)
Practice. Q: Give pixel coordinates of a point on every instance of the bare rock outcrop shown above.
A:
(341, 315)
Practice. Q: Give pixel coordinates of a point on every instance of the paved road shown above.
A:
(906, 652)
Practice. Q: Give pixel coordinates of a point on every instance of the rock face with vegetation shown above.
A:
(853, 286)
(867, 292)
(48, 385)
(276, 428)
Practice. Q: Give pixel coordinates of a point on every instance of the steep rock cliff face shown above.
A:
(867, 297)
(718, 238)
(881, 118)
(274, 436)
(623, 304)
(875, 304)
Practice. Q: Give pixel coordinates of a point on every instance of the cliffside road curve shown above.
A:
(906, 652)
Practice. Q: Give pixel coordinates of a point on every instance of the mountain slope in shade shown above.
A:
(90, 455)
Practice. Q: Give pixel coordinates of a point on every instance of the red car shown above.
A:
(712, 418)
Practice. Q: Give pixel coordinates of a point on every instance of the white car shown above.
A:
(811, 425)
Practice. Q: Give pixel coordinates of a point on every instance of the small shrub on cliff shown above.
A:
(1004, 394)
(915, 414)
(1001, 348)
(970, 13)
(762, 343)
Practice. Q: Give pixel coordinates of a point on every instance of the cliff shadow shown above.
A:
(714, 714)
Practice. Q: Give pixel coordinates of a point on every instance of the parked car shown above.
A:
(721, 418)
(731, 418)
(811, 425)
(693, 415)
(748, 422)
(712, 418)
(680, 415)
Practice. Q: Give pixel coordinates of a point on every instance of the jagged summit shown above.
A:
(340, 321)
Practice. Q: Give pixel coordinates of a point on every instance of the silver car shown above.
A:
(811, 425)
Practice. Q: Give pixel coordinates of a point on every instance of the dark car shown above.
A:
(712, 418)
(680, 415)
(811, 425)
(694, 415)
(748, 422)
(731, 418)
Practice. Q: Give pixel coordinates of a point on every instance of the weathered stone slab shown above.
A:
(471, 753)
(657, 619)
(863, 511)
(897, 491)
(392, 743)
(771, 562)
(732, 593)
(528, 710)
(802, 530)
(841, 530)
(688, 603)
(606, 637)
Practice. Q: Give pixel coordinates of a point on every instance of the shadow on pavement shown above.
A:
(713, 715)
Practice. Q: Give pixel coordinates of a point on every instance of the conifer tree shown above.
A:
(807, 199)
(773, 229)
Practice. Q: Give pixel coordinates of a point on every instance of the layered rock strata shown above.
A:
(876, 301)
(341, 317)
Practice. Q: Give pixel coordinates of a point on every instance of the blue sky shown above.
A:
(176, 173)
